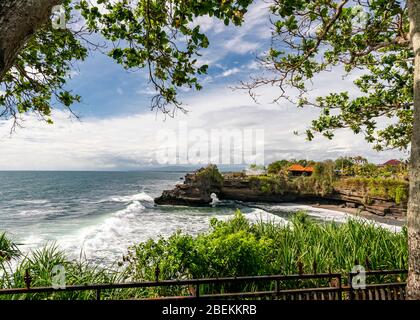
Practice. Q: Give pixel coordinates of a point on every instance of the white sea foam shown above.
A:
(32, 242)
(142, 196)
(259, 215)
(32, 201)
(131, 209)
(331, 215)
(106, 237)
(37, 212)
(111, 237)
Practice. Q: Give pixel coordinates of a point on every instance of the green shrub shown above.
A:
(389, 189)
(277, 166)
(269, 184)
(238, 248)
(8, 249)
(401, 194)
(210, 176)
(274, 184)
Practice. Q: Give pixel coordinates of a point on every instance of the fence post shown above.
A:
(157, 273)
(197, 290)
(367, 264)
(98, 294)
(28, 279)
(351, 293)
(277, 288)
(340, 288)
(300, 267)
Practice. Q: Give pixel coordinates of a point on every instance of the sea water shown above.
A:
(99, 215)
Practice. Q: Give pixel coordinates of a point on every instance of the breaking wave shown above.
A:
(142, 196)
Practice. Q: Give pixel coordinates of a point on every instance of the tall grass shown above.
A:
(239, 248)
(8, 248)
(231, 248)
(39, 265)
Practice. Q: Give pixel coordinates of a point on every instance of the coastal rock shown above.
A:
(198, 187)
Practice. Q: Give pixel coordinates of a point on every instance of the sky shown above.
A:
(118, 131)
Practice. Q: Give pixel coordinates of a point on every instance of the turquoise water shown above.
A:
(100, 214)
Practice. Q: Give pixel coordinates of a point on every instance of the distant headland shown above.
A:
(350, 183)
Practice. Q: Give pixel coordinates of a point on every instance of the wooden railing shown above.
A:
(335, 290)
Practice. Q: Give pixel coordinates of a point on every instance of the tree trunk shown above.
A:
(413, 213)
(19, 19)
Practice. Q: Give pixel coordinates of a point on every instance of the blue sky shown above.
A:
(117, 130)
(231, 57)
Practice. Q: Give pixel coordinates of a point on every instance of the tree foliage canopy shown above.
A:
(367, 37)
(155, 34)
(37, 79)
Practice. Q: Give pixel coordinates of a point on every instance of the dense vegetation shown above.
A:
(238, 247)
(279, 180)
(231, 248)
(353, 173)
(389, 189)
(346, 166)
(301, 185)
(209, 177)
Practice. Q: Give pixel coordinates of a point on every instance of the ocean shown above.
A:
(99, 215)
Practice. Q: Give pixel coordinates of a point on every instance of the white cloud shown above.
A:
(230, 72)
(148, 91)
(73, 73)
(239, 45)
(249, 37)
(130, 141)
(254, 65)
(207, 23)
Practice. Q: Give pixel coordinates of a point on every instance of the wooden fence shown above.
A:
(337, 287)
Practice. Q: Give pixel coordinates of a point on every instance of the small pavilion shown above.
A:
(299, 170)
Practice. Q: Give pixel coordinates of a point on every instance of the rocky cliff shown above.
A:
(198, 187)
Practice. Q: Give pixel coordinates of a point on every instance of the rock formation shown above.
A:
(198, 187)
